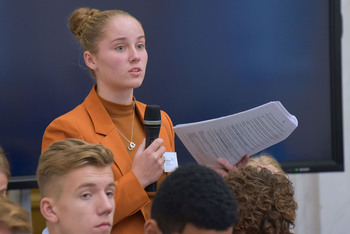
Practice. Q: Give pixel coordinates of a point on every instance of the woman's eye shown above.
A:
(141, 46)
(120, 48)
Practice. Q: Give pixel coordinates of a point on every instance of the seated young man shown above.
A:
(192, 199)
(77, 187)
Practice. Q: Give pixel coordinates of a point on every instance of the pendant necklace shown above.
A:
(131, 145)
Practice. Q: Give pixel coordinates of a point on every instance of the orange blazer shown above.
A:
(90, 122)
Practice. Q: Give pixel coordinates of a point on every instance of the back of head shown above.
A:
(265, 200)
(13, 217)
(266, 161)
(4, 164)
(63, 156)
(197, 195)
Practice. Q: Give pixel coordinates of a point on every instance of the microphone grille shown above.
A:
(152, 113)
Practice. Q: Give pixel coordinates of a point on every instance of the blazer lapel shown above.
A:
(104, 126)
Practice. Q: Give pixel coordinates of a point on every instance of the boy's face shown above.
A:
(86, 202)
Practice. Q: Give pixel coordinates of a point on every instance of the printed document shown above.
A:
(233, 136)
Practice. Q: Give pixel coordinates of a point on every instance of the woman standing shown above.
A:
(115, 53)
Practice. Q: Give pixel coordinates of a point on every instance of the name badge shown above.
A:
(170, 163)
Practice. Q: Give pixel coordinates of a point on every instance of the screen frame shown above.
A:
(336, 164)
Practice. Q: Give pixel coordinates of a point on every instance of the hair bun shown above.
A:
(79, 19)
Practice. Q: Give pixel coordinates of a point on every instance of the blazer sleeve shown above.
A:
(169, 135)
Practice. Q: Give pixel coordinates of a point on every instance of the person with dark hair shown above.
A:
(265, 199)
(192, 199)
(77, 188)
(114, 45)
(13, 218)
(4, 173)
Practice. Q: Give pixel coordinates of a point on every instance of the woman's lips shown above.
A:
(135, 71)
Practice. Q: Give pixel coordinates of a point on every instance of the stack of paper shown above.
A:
(233, 136)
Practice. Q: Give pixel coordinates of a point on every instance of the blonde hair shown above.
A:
(63, 156)
(88, 26)
(14, 217)
(267, 161)
(4, 164)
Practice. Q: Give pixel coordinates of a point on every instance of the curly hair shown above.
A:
(265, 200)
(196, 195)
(267, 161)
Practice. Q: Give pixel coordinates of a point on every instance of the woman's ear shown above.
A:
(89, 60)
(47, 209)
(151, 227)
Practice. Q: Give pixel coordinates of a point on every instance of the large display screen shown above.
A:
(207, 59)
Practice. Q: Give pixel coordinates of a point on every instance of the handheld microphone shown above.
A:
(152, 122)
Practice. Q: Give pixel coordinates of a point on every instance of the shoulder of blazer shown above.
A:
(97, 113)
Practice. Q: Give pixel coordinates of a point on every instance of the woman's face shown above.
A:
(120, 63)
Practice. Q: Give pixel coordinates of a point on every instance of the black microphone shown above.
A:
(152, 122)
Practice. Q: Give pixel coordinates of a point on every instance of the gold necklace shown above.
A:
(131, 145)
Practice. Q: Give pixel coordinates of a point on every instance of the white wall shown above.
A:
(324, 199)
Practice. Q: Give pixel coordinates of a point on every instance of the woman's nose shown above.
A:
(134, 55)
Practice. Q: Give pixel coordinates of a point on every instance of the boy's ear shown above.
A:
(151, 227)
(48, 209)
(89, 60)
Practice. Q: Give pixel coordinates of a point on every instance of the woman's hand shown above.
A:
(226, 166)
(148, 164)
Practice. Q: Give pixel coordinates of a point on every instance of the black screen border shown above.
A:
(336, 164)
